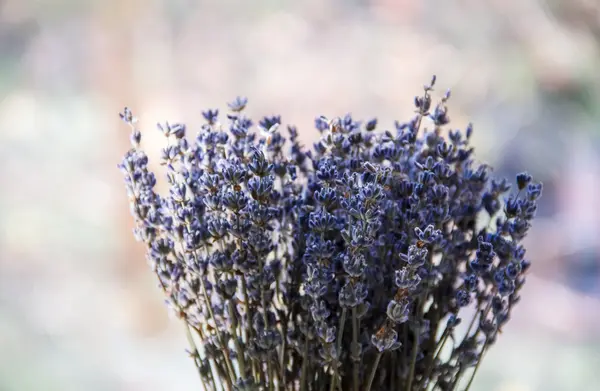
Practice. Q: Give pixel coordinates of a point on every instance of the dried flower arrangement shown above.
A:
(343, 267)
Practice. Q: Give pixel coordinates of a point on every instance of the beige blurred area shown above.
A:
(79, 309)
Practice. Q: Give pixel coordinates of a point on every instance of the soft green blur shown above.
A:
(79, 309)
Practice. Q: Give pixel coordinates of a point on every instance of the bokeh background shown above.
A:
(79, 309)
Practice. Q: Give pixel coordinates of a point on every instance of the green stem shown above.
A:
(440, 346)
(283, 363)
(266, 320)
(404, 353)
(304, 366)
(221, 374)
(373, 371)
(393, 371)
(483, 350)
(355, 344)
(188, 334)
(437, 352)
(413, 360)
(471, 324)
(194, 352)
(255, 371)
(261, 372)
(483, 316)
(270, 374)
(231, 378)
(321, 380)
(338, 347)
(485, 312)
(236, 342)
(247, 330)
(276, 371)
(211, 374)
(211, 362)
(458, 377)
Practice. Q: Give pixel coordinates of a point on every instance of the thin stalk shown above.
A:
(355, 343)
(433, 342)
(276, 371)
(266, 320)
(248, 330)
(255, 371)
(236, 342)
(188, 335)
(483, 350)
(277, 291)
(393, 371)
(413, 360)
(283, 363)
(304, 366)
(471, 324)
(231, 377)
(194, 352)
(211, 374)
(458, 377)
(404, 352)
(338, 347)
(373, 371)
(485, 312)
(441, 344)
(437, 352)
(270, 374)
(261, 373)
(482, 316)
(322, 379)
(211, 361)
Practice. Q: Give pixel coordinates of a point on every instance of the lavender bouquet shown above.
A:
(348, 266)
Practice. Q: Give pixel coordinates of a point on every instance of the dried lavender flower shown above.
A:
(341, 267)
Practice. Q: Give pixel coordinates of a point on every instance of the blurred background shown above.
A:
(79, 309)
